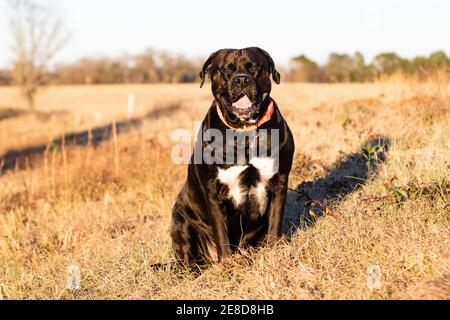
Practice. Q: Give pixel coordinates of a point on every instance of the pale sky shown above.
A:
(284, 28)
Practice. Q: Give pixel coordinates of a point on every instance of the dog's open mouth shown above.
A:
(244, 110)
(244, 103)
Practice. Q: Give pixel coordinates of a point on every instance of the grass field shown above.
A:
(76, 192)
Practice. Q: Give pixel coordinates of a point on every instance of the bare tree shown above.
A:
(37, 36)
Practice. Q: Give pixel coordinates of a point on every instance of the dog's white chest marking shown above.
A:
(266, 167)
(230, 178)
(239, 192)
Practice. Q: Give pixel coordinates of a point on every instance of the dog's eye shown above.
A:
(228, 68)
(253, 67)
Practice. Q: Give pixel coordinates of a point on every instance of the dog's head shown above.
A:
(241, 83)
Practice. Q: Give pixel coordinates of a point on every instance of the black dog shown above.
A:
(227, 203)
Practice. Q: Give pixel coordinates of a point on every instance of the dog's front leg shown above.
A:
(279, 187)
(218, 221)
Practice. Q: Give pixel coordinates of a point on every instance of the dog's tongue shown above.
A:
(243, 103)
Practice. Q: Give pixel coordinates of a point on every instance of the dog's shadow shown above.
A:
(310, 200)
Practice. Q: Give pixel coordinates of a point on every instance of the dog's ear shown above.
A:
(207, 67)
(275, 74)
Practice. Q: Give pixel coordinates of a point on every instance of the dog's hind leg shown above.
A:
(189, 241)
(182, 237)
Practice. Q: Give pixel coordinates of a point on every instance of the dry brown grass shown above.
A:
(106, 207)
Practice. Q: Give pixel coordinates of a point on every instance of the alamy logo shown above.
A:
(211, 146)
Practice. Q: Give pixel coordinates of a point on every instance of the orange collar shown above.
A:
(265, 118)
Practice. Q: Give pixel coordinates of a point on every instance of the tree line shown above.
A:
(354, 68)
(156, 66)
(151, 66)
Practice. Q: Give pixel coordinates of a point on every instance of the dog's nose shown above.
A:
(242, 80)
